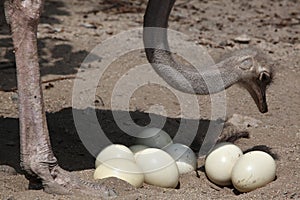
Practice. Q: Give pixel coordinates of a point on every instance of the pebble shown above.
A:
(297, 47)
(14, 97)
(244, 38)
(89, 25)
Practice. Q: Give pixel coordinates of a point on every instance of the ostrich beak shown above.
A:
(257, 91)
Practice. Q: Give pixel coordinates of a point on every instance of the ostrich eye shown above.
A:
(246, 63)
(265, 77)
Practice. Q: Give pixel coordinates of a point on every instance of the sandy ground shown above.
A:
(69, 30)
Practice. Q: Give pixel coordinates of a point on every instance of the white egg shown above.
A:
(123, 169)
(154, 137)
(253, 170)
(137, 147)
(114, 151)
(184, 156)
(159, 167)
(220, 161)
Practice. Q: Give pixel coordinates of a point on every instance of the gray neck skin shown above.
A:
(186, 79)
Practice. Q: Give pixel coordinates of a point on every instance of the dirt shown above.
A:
(69, 30)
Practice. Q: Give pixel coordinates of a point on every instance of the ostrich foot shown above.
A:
(60, 181)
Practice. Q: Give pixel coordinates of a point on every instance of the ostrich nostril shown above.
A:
(265, 77)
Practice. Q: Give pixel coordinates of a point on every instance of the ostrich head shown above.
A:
(257, 75)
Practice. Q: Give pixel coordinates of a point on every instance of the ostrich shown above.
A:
(246, 67)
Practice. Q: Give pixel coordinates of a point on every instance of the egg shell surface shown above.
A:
(253, 170)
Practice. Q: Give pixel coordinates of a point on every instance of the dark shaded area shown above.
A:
(67, 146)
(66, 60)
(265, 149)
(63, 64)
(52, 10)
(122, 6)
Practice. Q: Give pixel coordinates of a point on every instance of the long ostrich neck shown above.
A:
(188, 80)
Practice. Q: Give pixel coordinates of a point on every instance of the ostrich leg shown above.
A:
(37, 158)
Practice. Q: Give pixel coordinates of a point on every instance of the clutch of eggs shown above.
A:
(152, 165)
(159, 167)
(226, 165)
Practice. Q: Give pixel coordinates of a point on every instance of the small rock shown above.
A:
(242, 39)
(14, 97)
(89, 25)
(58, 29)
(109, 32)
(11, 198)
(244, 121)
(297, 47)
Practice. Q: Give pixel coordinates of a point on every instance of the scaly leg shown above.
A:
(37, 158)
